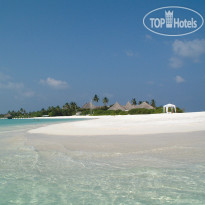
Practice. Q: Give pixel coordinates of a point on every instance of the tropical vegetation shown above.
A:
(72, 108)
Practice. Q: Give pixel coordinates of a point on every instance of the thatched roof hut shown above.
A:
(129, 106)
(8, 116)
(144, 105)
(117, 106)
(89, 106)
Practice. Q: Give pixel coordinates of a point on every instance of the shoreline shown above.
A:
(173, 146)
(126, 125)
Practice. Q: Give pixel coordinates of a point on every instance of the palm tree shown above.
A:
(96, 98)
(57, 111)
(153, 104)
(66, 106)
(105, 101)
(134, 102)
(21, 110)
(73, 106)
(140, 102)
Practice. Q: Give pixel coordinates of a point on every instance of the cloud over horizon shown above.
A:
(14, 88)
(148, 37)
(6, 82)
(179, 79)
(4, 77)
(130, 53)
(56, 84)
(184, 50)
(11, 85)
(175, 62)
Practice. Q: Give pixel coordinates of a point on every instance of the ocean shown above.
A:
(11, 125)
(33, 171)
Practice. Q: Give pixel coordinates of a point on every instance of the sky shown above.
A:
(56, 51)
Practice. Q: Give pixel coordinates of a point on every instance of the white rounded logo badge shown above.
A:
(173, 21)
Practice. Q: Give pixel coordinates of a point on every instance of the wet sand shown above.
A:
(179, 136)
(180, 146)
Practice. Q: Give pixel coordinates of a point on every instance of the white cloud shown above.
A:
(130, 53)
(7, 83)
(17, 88)
(189, 49)
(186, 50)
(57, 84)
(11, 85)
(150, 82)
(175, 62)
(148, 37)
(4, 77)
(179, 79)
(28, 94)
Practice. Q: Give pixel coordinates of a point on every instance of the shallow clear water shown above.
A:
(13, 124)
(30, 176)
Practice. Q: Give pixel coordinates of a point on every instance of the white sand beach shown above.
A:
(180, 136)
(127, 125)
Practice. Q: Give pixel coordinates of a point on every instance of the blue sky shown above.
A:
(52, 52)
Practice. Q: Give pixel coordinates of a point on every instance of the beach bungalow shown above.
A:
(144, 105)
(89, 106)
(117, 106)
(8, 116)
(129, 106)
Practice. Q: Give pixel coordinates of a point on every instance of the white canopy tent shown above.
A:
(166, 108)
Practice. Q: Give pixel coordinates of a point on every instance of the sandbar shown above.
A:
(127, 125)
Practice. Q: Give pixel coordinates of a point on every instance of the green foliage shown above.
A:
(66, 110)
(86, 112)
(138, 111)
(145, 111)
(179, 110)
(134, 102)
(105, 101)
(159, 110)
(104, 111)
(96, 98)
(109, 112)
(71, 108)
(153, 104)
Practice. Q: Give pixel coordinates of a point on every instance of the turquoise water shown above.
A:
(32, 121)
(16, 124)
(30, 175)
